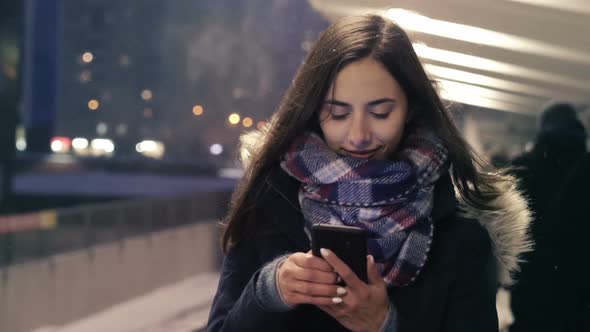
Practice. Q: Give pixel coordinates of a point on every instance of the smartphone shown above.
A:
(348, 243)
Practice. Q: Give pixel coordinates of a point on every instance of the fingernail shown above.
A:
(341, 291)
(324, 252)
(371, 259)
(338, 279)
(337, 300)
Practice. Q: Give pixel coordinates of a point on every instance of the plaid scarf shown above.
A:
(390, 199)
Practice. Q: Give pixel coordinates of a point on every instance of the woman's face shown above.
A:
(364, 111)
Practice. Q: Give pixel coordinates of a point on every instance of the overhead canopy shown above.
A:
(510, 55)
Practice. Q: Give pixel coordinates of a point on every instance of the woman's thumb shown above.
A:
(372, 271)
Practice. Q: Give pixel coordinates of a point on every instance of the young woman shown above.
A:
(362, 139)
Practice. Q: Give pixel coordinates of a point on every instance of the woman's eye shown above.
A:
(338, 112)
(382, 111)
(381, 115)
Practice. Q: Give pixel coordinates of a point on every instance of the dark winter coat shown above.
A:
(455, 291)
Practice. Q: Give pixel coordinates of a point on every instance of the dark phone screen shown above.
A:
(348, 243)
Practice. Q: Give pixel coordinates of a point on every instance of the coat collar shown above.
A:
(285, 209)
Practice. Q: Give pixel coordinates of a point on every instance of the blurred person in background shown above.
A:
(552, 291)
(363, 139)
(500, 158)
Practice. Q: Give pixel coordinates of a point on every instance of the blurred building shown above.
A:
(110, 81)
(171, 73)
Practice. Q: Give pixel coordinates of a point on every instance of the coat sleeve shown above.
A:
(471, 302)
(235, 305)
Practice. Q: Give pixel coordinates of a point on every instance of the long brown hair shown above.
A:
(344, 42)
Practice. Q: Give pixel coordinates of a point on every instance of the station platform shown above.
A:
(180, 307)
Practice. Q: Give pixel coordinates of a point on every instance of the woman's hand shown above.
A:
(304, 278)
(364, 307)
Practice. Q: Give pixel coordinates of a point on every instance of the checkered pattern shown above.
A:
(390, 199)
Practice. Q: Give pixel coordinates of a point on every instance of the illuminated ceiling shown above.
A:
(510, 55)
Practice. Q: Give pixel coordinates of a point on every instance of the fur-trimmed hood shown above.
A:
(508, 227)
(507, 224)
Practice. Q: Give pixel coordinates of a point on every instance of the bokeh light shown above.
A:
(234, 118)
(198, 110)
(247, 122)
(146, 94)
(216, 149)
(87, 57)
(79, 143)
(261, 124)
(93, 104)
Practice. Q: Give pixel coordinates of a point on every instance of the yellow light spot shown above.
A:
(198, 110)
(234, 118)
(93, 104)
(87, 57)
(247, 122)
(48, 219)
(146, 94)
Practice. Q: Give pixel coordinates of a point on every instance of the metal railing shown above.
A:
(43, 234)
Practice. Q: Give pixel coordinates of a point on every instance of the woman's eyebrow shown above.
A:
(336, 102)
(380, 101)
(371, 103)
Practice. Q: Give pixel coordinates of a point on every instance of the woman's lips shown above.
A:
(361, 154)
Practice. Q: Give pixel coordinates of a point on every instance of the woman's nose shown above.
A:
(359, 134)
